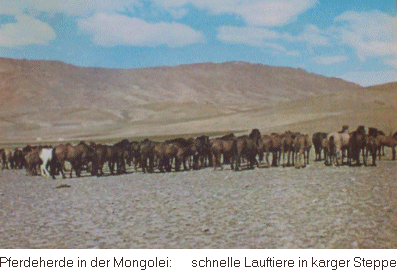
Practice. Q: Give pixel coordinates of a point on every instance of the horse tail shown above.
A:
(332, 145)
(53, 164)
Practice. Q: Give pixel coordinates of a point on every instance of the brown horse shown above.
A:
(201, 152)
(134, 154)
(270, 144)
(391, 142)
(338, 143)
(276, 149)
(223, 146)
(119, 153)
(147, 155)
(247, 146)
(7, 159)
(317, 140)
(324, 145)
(302, 145)
(178, 149)
(114, 155)
(287, 140)
(78, 156)
(19, 159)
(356, 146)
(100, 158)
(372, 145)
(33, 161)
(265, 145)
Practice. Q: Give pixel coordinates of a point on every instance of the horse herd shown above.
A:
(287, 149)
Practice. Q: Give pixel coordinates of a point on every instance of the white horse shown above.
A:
(338, 143)
(46, 157)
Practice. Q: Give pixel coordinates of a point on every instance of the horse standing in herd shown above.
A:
(201, 152)
(338, 143)
(77, 156)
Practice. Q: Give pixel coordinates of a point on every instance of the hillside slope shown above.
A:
(54, 101)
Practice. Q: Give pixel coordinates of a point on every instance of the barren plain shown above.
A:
(314, 207)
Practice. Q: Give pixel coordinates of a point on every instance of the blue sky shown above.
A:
(350, 39)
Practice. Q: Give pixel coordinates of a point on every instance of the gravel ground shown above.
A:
(314, 207)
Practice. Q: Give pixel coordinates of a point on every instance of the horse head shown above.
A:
(255, 134)
(361, 130)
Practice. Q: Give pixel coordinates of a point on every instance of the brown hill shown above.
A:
(50, 100)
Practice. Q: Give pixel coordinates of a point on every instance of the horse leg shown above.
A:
(42, 170)
(232, 162)
(78, 169)
(267, 158)
(47, 173)
(110, 166)
(59, 167)
(214, 161)
(308, 155)
(298, 163)
(237, 167)
(373, 153)
(362, 152)
(184, 161)
(292, 158)
(71, 170)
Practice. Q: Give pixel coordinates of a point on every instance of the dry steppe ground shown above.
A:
(313, 207)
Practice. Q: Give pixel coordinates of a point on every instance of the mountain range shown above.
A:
(51, 101)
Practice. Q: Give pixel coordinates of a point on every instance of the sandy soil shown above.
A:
(314, 207)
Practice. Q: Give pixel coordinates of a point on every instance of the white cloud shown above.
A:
(254, 12)
(112, 30)
(392, 62)
(27, 30)
(258, 36)
(328, 60)
(178, 12)
(370, 78)
(252, 36)
(293, 53)
(273, 13)
(275, 46)
(80, 8)
(312, 35)
(371, 34)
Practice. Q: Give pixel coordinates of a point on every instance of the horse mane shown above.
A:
(344, 128)
(360, 129)
(181, 141)
(203, 138)
(227, 136)
(123, 143)
(373, 132)
(255, 134)
(176, 140)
